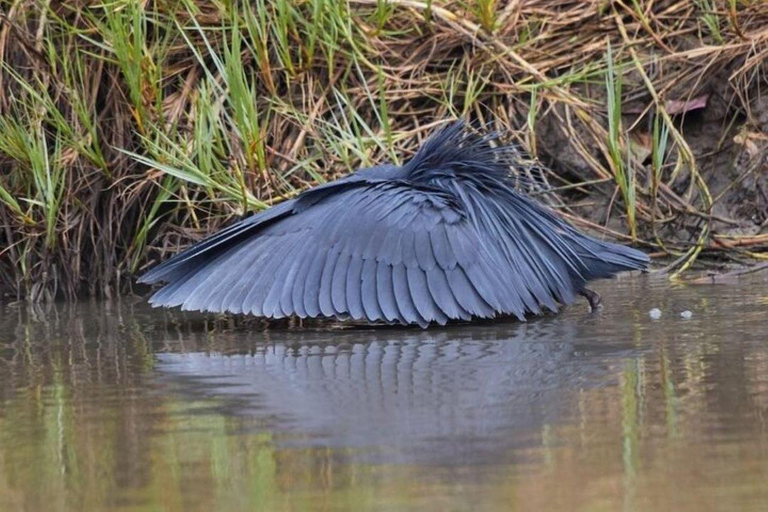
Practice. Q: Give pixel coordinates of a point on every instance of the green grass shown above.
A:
(130, 129)
(620, 162)
(710, 19)
(486, 12)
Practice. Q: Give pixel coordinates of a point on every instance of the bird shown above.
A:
(447, 236)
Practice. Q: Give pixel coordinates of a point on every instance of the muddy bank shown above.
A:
(728, 141)
(166, 123)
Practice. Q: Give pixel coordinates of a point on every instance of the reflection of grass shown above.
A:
(670, 397)
(82, 430)
(631, 390)
(62, 452)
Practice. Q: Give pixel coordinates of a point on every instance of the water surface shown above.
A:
(116, 405)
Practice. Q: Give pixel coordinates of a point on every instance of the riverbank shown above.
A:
(131, 130)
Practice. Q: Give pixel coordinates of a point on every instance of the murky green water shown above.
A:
(115, 405)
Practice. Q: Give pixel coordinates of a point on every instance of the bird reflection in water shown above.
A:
(422, 395)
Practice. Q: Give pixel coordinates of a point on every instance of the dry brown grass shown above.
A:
(131, 128)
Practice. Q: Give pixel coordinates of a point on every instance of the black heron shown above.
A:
(446, 236)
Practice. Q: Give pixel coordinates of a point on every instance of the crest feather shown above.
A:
(456, 151)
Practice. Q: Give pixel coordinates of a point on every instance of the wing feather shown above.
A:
(312, 284)
(354, 287)
(402, 293)
(466, 294)
(234, 300)
(237, 275)
(261, 282)
(442, 249)
(190, 259)
(324, 298)
(368, 292)
(385, 293)
(271, 306)
(339, 284)
(287, 304)
(425, 304)
(443, 295)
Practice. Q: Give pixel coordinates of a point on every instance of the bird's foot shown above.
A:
(594, 299)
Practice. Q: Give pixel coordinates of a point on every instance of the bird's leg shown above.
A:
(594, 298)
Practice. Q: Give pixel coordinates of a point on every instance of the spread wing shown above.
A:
(385, 251)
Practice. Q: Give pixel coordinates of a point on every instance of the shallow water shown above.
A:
(116, 405)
